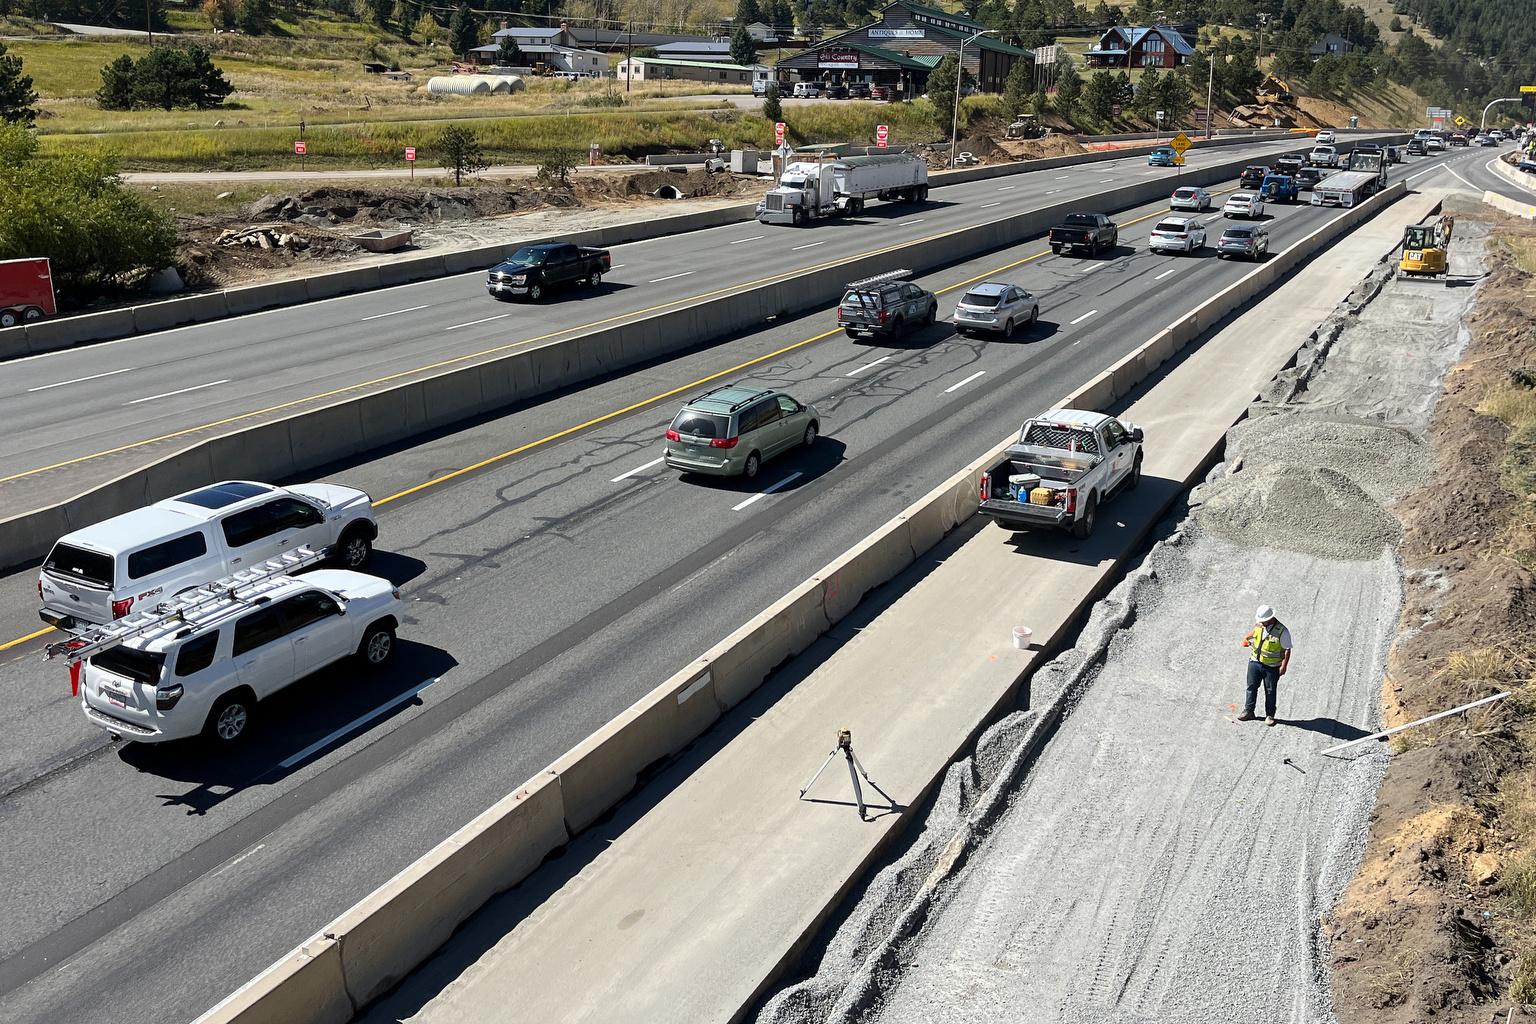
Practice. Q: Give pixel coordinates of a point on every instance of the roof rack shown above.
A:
(754, 396)
(885, 278)
(237, 590)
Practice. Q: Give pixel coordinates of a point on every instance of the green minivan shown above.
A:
(732, 430)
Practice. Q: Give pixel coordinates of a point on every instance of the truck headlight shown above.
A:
(518, 279)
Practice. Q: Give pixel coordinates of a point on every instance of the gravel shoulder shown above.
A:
(1160, 861)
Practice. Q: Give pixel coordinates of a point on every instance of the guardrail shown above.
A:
(285, 448)
(68, 331)
(363, 953)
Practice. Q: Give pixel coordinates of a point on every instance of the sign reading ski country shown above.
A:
(298, 149)
(838, 58)
(882, 134)
(778, 133)
(1180, 143)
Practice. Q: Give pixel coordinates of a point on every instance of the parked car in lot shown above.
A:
(205, 673)
(1163, 156)
(885, 306)
(104, 571)
(880, 92)
(534, 270)
(1326, 137)
(733, 429)
(1064, 465)
(1190, 197)
(807, 90)
(1244, 204)
(1252, 176)
(1250, 241)
(1307, 177)
(859, 91)
(837, 92)
(1323, 156)
(995, 307)
(1178, 234)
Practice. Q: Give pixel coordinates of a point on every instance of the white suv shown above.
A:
(102, 572)
(1243, 204)
(1178, 234)
(205, 673)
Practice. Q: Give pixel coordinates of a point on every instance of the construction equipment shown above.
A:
(1027, 127)
(1424, 248)
(1274, 90)
(232, 591)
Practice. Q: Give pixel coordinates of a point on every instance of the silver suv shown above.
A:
(995, 306)
(732, 430)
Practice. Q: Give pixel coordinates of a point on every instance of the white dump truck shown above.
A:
(812, 189)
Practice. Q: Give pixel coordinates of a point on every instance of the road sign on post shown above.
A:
(299, 148)
(410, 153)
(1528, 95)
(882, 135)
(778, 133)
(1179, 144)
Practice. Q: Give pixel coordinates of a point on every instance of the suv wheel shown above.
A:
(1008, 329)
(378, 645)
(230, 718)
(1034, 315)
(753, 464)
(898, 327)
(933, 315)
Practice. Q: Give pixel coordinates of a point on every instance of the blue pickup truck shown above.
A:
(1280, 188)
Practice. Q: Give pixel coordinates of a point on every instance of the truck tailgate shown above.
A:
(1021, 514)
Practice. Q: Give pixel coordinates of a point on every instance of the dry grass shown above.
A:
(1522, 249)
(1522, 986)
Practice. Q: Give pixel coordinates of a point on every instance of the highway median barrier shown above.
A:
(406, 919)
(296, 444)
(65, 332)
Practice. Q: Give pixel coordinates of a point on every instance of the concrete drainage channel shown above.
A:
(992, 906)
(362, 954)
(286, 448)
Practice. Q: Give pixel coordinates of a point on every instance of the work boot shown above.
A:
(1246, 716)
(1270, 720)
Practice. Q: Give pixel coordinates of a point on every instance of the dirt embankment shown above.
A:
(281, 232)
(1440, 923)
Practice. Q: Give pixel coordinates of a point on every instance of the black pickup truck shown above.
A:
(534, 269)
(1091, 232)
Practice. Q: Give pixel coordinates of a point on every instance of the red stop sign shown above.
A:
(778, 133)
(882, 134)
(298, 149)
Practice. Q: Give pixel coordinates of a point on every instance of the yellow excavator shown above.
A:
(1424, 247)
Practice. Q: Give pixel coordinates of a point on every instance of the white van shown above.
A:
(100, 573)
(205, 672)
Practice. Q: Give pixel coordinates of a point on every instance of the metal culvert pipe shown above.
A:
(668, 192)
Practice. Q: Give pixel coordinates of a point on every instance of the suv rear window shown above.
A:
(93, 567)
(981, 299)
(700, 424)
(869, 300)
(140, 666)
(1235, 232)
(166, 554)
(1174, 227)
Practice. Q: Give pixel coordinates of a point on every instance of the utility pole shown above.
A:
(1210, 83)
(149, 23)
(629, 50)
(1263, 22)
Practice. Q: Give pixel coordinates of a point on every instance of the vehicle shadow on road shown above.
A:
(811, 464)
(288, 726)
(397, 568)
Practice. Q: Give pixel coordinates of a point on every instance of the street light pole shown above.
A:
(1210, 83)
(954, 120)
(1484, 126)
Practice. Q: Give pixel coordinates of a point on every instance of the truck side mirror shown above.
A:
(1136, 434)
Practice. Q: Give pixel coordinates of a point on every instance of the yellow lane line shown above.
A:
(23, 639)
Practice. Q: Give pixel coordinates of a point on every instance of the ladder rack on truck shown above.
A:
(227, 594)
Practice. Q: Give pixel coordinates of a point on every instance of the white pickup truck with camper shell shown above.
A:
(108, 569)
(1064, 465)
(809, 190)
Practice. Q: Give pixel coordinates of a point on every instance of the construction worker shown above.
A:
(1269, 644)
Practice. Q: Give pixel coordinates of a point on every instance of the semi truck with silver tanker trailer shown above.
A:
(810, 190)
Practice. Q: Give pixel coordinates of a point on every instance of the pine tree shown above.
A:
(16, 95)
(773, 110)
(507, 53)
(743, 46)
(941, 90)
(463, 31)
(1069, 86)
(1102, 95)
(459, 149)
(747, 12)
(1018, 89)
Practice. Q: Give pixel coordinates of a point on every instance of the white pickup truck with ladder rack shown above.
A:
(199, 663)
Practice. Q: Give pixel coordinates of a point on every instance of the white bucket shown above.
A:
(1022, 635)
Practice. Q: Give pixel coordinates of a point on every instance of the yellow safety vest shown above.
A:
(1266, 645)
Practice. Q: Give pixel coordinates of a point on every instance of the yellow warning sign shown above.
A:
(1460, 121)
(1180, 143)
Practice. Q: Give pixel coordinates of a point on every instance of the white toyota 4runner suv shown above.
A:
(206, 672)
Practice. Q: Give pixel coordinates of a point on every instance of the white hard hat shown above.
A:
(1264, 614)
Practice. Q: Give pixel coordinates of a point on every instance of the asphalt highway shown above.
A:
(153, 393)
(548, 590)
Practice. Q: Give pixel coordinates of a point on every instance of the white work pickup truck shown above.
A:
(1064, 464)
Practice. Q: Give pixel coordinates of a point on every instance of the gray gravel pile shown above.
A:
(1309, 509)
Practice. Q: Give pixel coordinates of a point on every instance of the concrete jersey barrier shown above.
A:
(65, 332)
(302, 441)
(359, 954)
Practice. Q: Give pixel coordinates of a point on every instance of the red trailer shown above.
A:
(26, 291)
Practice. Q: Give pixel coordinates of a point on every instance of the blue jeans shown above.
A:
(1269, 675)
